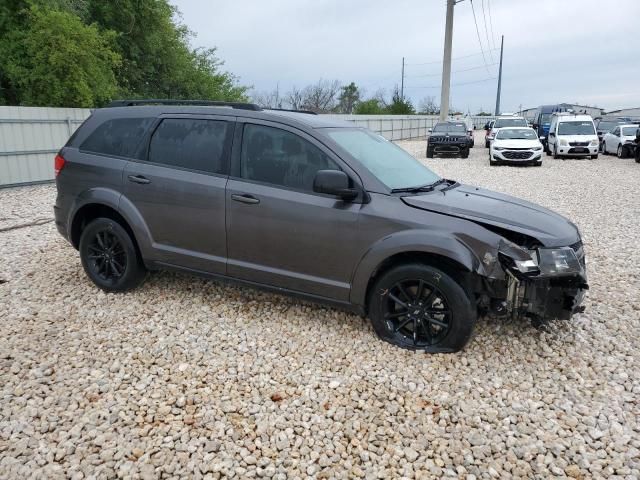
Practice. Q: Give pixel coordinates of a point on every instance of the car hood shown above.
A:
(500, 210)
(579, 138)
(517, 143)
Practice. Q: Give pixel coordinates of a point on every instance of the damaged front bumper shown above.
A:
(542, 284)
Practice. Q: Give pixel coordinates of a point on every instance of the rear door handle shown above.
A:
(245, 198)
(139, 179)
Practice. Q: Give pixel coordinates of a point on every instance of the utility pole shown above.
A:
(446, 62)
(402, 82)
(499, 78)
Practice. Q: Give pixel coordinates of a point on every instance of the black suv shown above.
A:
(449, 138)
(308, 206)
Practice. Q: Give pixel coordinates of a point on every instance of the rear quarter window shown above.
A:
(119, 137)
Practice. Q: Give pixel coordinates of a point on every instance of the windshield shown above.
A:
(386, 161)
(629, 131)
(450, 128)
(545, 119)
(516, 134)
(606, 126)
(510, 122)
(584, 127)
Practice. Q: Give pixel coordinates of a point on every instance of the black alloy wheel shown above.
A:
(420, 307)
(109, 256)
(417, 311)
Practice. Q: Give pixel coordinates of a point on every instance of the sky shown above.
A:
(574, 51)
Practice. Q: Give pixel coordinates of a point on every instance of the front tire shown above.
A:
(621, 153)
(429, 152)
(419, 307)
(604, 149)
(109, 256)
(555, 151)
(594, 157)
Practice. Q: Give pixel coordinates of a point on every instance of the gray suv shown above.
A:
(308, 206)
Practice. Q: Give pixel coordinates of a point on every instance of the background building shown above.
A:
(626, 112)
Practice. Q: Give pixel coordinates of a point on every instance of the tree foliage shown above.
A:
(60, 61)
(371, 106)
(90, 51)
(349, 98)
(400, 105)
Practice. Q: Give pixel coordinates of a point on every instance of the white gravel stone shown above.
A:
(186, 377)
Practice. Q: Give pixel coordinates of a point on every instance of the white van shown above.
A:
(572, 135)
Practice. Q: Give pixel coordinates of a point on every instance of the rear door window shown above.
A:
(119, 137)
(192, 144)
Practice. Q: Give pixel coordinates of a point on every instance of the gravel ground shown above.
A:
(188, 377)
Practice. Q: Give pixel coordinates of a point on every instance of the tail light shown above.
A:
(58, 164)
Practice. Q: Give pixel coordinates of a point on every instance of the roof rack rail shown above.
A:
(309, 112)
(163, 101)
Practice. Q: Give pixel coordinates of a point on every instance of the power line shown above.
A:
(454, 84)
(455, 71)
(440, 61)
(478, 32)
(486, 30)
(493, 41)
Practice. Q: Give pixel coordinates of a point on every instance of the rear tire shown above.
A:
(109, 256)
(422, 292)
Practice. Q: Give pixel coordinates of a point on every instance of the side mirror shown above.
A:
(551, 134)
(430, 130)
(535, 125)
(334, 182)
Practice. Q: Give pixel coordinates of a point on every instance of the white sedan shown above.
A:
(516, 145)
(620, 140)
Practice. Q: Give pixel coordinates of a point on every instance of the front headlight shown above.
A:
(563, 142)
(594, 143)
(537, 149)
(558, 261)
(498, 148)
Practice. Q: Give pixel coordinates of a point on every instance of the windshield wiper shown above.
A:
(420, 188)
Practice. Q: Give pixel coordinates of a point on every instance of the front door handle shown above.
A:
(245, 198)
(139, 179)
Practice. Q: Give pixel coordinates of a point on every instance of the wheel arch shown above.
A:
(447, 253)
(102, 202)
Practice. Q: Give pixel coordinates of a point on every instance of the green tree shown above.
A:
(349, 97)
(124, 48)
(399, 105)
(157, 60)
(369, 107)
(57, 60)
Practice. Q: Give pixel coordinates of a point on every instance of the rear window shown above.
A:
(119, 137)
(190, 143)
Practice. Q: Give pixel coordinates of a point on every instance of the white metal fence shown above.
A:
(401, 127)
(30, 136)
